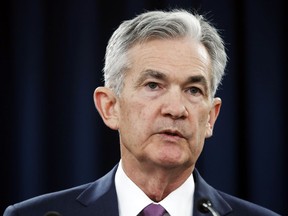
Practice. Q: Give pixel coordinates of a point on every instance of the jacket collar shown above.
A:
(204, 191)
(101, 197)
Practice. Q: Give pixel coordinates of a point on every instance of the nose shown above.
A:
(174, 106)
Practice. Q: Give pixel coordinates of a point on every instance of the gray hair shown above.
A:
(162, 25)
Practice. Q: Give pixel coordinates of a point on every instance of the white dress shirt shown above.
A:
(132, 200)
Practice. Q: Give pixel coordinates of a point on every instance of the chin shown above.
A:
(171, 156)
(170, 163)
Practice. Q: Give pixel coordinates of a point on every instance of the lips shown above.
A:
(174, 133)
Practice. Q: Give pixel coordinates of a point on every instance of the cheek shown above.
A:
(204, 120)
(200, 117)
(133, 117)
(198, 125)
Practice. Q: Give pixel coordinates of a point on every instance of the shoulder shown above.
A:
(39, 205)
(224, 203)
(80, 200)
(243, 207)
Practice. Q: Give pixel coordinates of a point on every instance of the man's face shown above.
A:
(165, 108)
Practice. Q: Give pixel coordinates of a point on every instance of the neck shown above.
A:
(156, 182)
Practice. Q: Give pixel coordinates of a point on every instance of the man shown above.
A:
(162, 70)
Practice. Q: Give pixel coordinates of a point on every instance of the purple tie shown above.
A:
(153, 210)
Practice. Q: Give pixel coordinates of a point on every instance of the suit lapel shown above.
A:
(205, 191)
(100, 197)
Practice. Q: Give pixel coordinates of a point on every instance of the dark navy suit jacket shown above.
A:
(99, 198)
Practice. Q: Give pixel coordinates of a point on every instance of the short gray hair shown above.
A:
(162, 25)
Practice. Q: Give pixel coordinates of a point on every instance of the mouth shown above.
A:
(173, 133)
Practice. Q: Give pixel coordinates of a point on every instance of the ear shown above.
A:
(214, 112)
(106, 104)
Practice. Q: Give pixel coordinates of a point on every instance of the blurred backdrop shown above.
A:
(51, 57)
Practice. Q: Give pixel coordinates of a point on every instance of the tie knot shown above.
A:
(153, 210)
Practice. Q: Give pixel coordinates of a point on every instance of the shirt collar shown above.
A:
(131, 199)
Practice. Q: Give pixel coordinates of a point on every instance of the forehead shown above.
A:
(175, 57)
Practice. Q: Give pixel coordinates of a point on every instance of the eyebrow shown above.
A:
(150, 74)
(198, 79)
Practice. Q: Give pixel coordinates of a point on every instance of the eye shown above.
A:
(152, 85)
(195, 91)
